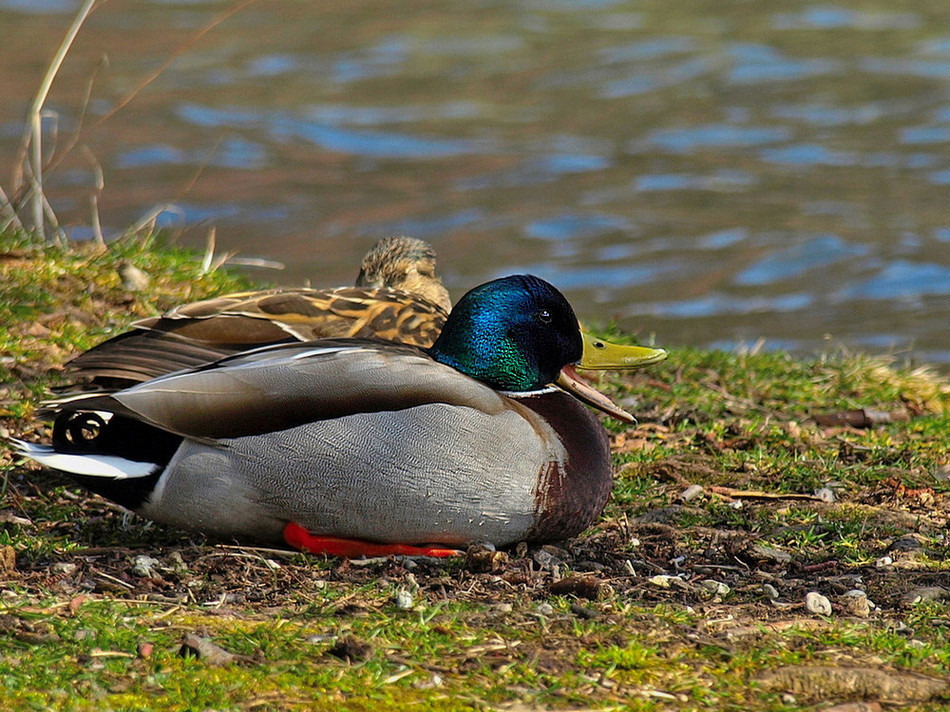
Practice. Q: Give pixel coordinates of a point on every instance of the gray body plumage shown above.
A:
(468, 480)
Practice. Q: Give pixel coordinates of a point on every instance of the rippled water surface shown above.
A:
(708, 172)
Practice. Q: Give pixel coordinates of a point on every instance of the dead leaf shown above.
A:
(581, 586)
(7, 559)
(204, 649)
(76, 603)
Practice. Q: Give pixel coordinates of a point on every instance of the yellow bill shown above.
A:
(601, 355)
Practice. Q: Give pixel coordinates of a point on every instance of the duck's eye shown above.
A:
(543, 316)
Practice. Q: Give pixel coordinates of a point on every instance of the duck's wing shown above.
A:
(280, 387)
(194, 334)
(348, 312)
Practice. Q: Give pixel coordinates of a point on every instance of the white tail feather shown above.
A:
(117, 468)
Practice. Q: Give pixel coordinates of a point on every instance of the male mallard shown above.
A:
(397, 297)
(350, 446)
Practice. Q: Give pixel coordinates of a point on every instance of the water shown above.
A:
(711, 173)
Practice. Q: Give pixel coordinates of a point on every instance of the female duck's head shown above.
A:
(515, 334)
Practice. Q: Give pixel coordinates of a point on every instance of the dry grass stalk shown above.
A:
(32, 135)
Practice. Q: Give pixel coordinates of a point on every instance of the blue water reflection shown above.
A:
(713, 136)
(829, 17)
(429, 226)
(798, 259)
(41, 7)
(574, 226)
(758, 63)
(229, 153)
(724, 180)
(381, 60)
(823, 115)
(901, 280)
(720, 304)
(284, 127)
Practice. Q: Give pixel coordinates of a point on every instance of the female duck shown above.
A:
(397, 297)
(341, 445)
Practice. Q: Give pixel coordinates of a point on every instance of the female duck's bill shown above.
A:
(360, 441)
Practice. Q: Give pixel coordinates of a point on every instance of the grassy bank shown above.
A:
(776, 539)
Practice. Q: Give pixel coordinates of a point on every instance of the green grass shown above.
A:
(81, 629)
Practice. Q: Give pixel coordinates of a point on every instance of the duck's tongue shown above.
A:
(569, 381)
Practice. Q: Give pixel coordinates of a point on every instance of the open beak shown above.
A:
(569, 381)
(603, 355)
(600, 355)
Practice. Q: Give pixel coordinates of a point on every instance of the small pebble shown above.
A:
(546, 560)
(690, 493)
(133, 279)
(429, 683)
(817, 604)
(176, 560)
(884, 562)
(826, 494)
(142, 565)
(667, 581)
(856, 603)
(770, 591)
(916, 644)
(545, 609)
(716, 588)
(904, 629)
(910, 542)
(502, 608)
(64, 567)
(403, 599)
(769, 553)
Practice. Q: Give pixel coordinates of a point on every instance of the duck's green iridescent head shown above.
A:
(514, 334)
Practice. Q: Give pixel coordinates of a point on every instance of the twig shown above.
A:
(209, 252)
(94, 198)
(32, 131)
(8, 213)
(756, 494)
(151, 216)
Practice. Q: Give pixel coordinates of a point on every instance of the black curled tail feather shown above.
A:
(97, 433)
(94, 432)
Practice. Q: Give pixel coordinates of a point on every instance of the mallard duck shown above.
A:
(352, 446)
(397, 297)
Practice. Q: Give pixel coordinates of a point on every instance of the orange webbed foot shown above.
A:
(299, 538)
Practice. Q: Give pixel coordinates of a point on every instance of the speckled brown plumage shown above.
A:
(398, 298)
